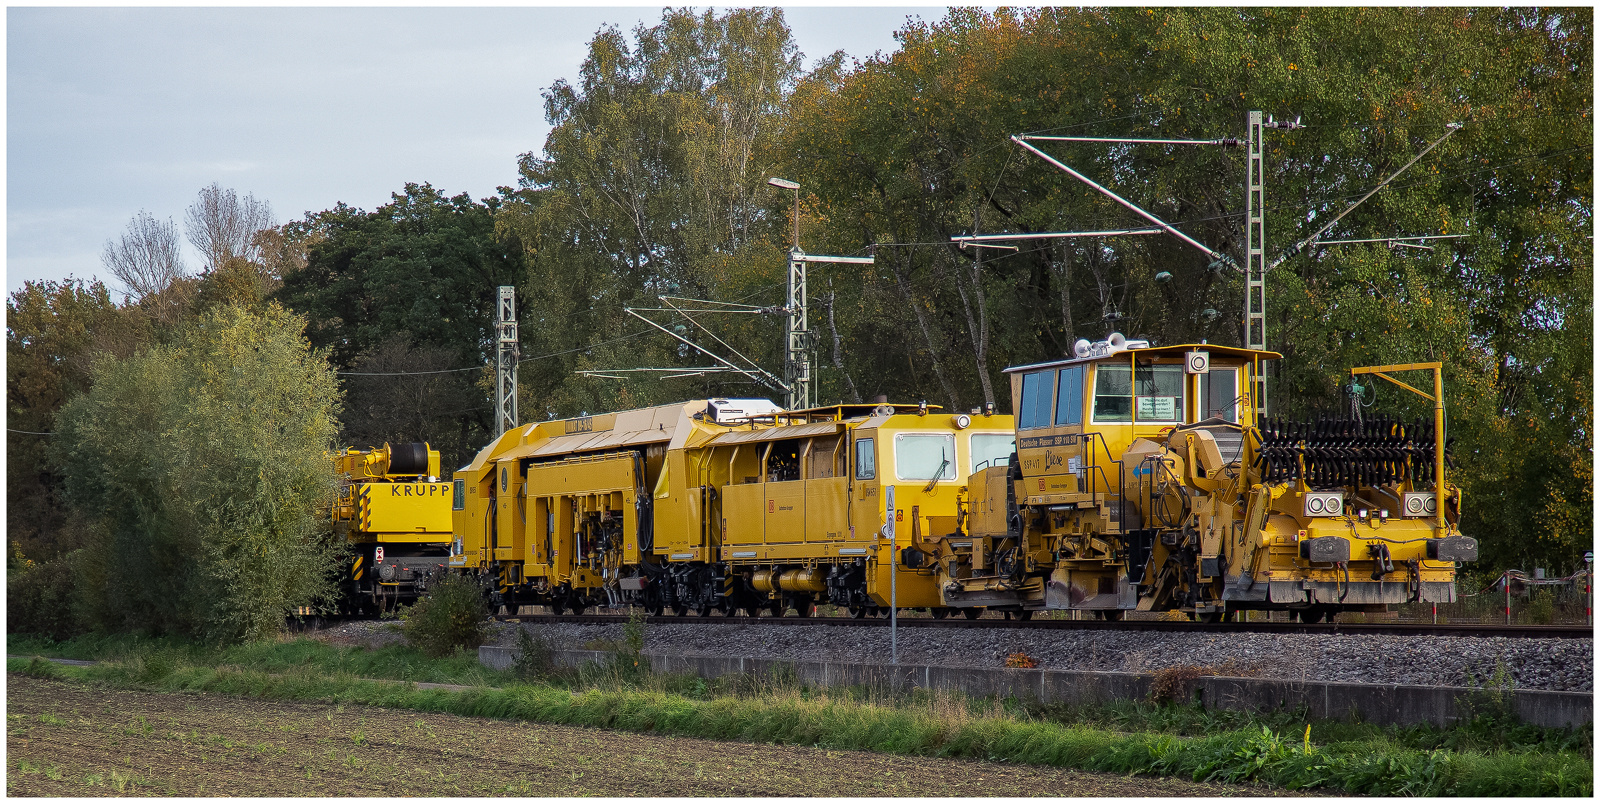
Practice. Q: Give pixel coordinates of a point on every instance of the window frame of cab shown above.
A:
(868, 464)
(1180, 406)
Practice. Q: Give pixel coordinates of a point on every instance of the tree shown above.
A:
(54, 333)
(222, 226)
(652, 182)
(409, 287)
(202, 462)
(399, 393)
(425, 264)
(911, 148)
(146, 258)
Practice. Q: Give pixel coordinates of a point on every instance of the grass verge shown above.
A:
(777, 710)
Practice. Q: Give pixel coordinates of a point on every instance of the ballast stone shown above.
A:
(1549, 664)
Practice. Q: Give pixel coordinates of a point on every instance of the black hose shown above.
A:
(408, 459)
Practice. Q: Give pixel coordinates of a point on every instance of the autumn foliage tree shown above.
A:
(653, 182)
(911, 148)
(200, 466)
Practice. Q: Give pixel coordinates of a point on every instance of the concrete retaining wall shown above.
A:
(1384, 704)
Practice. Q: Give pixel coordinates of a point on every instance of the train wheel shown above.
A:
(1111, 615)
(972, 613)
(805, 609)
(858, 612)
(654, 611)
(1311, 615)
(704, 609)
(776, 608)
(939, 613)
(680, 609)
(557, 608)
(1024, 615)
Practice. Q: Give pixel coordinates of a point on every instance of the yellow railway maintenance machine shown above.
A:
(394, 513)
(1146, 476)
(723, 505)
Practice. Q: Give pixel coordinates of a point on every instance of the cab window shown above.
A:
(866, 468)
(1158, 393)
(925, 456)
(1113, 394)
(1155, 391)
(990, 449)
(1037, 391)
(1220, 392)
(1069, 396)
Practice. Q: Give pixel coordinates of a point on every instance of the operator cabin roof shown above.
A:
(1177, 350)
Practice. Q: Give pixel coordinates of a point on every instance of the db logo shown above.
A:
(1041, 485)
(770, 508)
(377, 554)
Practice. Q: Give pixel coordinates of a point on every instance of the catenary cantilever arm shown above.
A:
(1213, 254)
(1304, 244)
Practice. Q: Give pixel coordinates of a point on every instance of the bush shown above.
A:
(534, 657)
(201, 460)
(449, 618)
(1542, 608)
(43, 598)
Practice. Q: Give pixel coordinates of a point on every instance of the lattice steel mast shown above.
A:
(507, 353)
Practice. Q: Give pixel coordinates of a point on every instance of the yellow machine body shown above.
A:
(390, 499)
(722, 504)
(1142, 471)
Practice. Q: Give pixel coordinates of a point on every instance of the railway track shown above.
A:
(1387, 629)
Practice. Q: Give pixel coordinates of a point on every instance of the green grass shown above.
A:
(1165, 740)
(398, 662)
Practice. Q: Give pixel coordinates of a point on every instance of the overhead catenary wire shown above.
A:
(584, 348)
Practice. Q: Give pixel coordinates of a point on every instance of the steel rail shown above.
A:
(1334, 629)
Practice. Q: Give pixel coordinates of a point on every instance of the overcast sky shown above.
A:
(114, 110)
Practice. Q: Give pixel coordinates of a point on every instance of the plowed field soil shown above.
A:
(66, 739)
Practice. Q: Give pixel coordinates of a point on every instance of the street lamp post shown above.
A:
(785, 184)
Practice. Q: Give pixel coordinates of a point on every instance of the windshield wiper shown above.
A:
(944, 461)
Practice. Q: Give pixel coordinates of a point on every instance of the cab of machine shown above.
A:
(1078, 414)
(927, 455)
(815, 486)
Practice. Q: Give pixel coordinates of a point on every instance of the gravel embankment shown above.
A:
(1552, 664)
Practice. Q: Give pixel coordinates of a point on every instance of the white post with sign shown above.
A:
(1588, 587)
(888, 532)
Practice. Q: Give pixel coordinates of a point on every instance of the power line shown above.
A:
(527, 359)
(27, 432)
